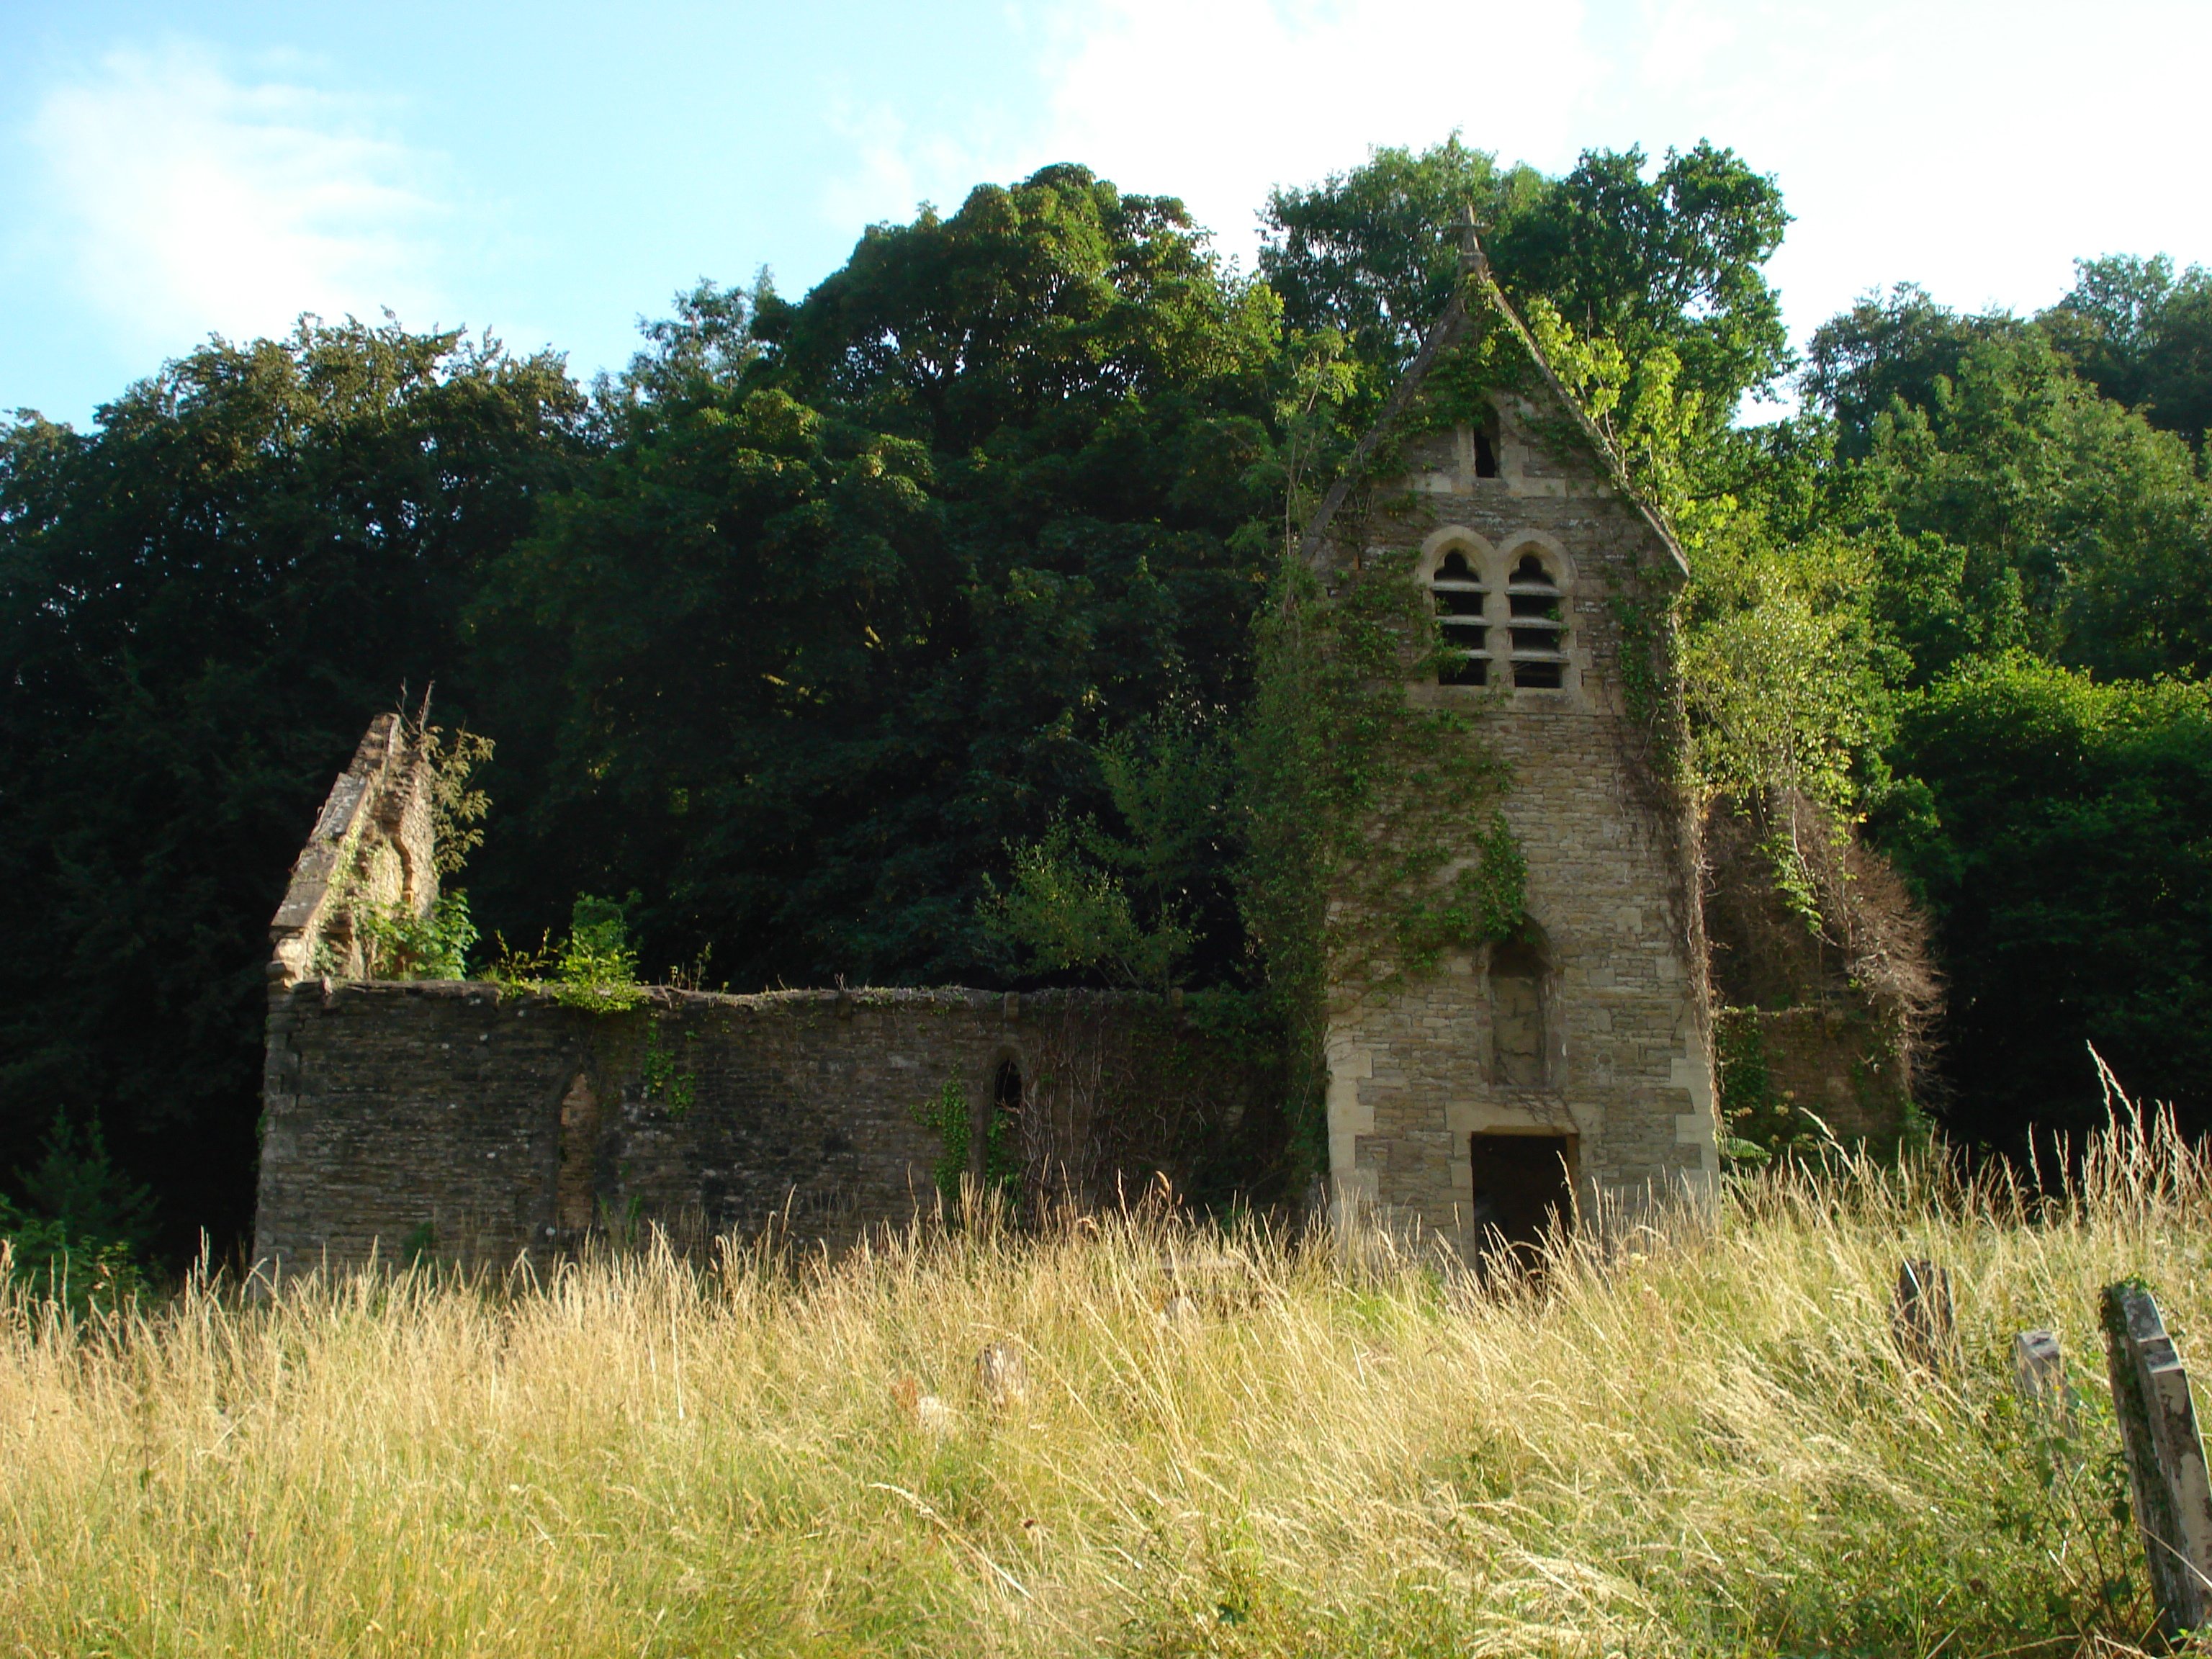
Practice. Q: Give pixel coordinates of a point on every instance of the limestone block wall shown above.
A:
(1627, 1068)
(484, 1125)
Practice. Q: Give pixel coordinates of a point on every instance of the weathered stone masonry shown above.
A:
(481, 1124)
(454, 1116)
(1575, 1060)
(1619, 1066)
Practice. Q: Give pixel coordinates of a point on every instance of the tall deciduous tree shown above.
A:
(1674, 259)
(2142, 336)
(2080, 530)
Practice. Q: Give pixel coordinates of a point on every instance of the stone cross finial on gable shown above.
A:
(1471, 257)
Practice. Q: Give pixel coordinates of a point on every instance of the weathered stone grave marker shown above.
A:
(2038, 1372)
(1001, 1377)
(1925, 1322)
(2165, 1455)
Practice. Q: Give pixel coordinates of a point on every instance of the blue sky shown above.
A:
(552, 172)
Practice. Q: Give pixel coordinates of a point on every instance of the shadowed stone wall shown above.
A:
(1838, 1063)
(483, 1125)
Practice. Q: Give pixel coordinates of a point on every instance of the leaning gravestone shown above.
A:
(2165, 1455)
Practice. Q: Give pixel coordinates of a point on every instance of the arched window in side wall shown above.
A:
(1460, 596)
(1536, 625)
(1519, 1055)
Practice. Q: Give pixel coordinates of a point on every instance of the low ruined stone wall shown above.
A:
(480, 1125)
(1837, 1064)
(1836, 1061)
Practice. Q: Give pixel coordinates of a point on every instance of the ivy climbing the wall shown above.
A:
(662, 1080)
(1374, 840)
(947, 1116)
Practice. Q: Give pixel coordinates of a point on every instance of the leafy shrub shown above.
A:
(594, 968)
(79, 1231)
(400, 944)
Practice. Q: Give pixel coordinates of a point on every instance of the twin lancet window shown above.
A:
(1534, 625)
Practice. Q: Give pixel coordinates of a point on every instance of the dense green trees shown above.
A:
(201, 602)
(2067, 524)
(2038, 563)
(2065, 841)
(880, 632)
(844, 616)
(2142, 336)
(1673, 260)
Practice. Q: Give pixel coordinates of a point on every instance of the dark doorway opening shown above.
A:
(1523, 1186)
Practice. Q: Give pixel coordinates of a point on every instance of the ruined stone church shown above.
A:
(1568, 1069)
(1565, 1071)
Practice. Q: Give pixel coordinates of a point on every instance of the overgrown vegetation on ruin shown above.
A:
(1373, 841)
(908, 631)
(1692, 1439)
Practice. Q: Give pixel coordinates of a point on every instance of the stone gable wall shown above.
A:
(371, 849)
(1610, 885)
(401, 1117)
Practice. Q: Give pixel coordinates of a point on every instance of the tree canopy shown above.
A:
(840, 625)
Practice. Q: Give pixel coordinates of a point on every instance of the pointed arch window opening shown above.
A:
(1536, 625)
(1462, 601)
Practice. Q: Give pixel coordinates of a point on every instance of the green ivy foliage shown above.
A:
(662, 1080)
(947, 1115)
(400, 944)
(1374, 842)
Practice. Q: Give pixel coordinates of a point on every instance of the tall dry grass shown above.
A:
(1698, 1438)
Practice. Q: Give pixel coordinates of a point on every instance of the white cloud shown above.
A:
(1976, 146)
(1217, 101)
(194, 202)
(898, 167)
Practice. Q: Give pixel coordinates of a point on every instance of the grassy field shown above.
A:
(1698, 1440)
